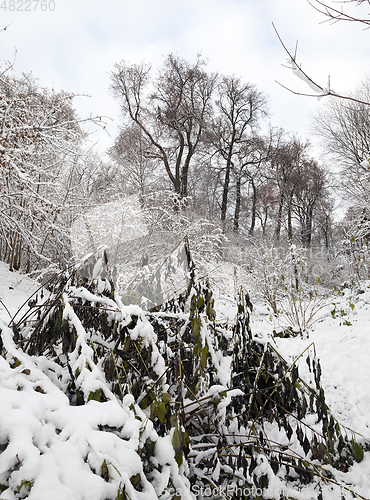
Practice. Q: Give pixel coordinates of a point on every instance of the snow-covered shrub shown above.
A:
(106, 401)
(354, 252)
(284, 281)
(40, 148)
(143, 240)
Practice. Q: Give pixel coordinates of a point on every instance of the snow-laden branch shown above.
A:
(320, 91)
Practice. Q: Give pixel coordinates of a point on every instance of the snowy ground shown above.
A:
(15, 291)
(342, 343)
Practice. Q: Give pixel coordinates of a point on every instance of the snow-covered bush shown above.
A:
(285, 280)
(40, 145)
(143, 239)
(103, 400)
(355, 244)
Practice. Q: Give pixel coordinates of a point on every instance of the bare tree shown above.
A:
(173, 113)
(344, 129)
(248, 170)
(325, 220)
(285, 170)
(132, 152)
(267, 202)
(240, 107)
(310, 190)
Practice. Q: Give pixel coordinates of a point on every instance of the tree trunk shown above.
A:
(309, 229)
(290, 228)
(185, 174)
(279, 218)
(225, 193)
(254, 208)
(289, 215)
(237, 205)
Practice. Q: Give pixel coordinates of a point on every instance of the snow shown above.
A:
(343, 350)
(297, 71)
(56, 446)
(365, 164)
(342, 345)
(15, 290)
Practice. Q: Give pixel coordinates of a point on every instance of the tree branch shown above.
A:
(335, 15)
(318, 89)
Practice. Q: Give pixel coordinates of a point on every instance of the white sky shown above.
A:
(75, 47)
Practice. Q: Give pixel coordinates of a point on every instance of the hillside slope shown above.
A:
(57, 439)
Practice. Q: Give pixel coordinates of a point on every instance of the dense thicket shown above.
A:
(41, 170)
(203, 401)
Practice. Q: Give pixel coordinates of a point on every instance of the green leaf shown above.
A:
(203, 357)
(300, 435)
(121, 495)
(166, 398)
(153, 410)
(289, 430)
(177, 440)
(161, 412)
(177, 443)
(186, 441)
(147, 400)
(200, 303)
(196, 326)
(26, 485)
(357, 451)
(135, 480)
(97, 395)
(173, 420)
(15, 363)
(306, 445)
(321, 451)
(105, 471)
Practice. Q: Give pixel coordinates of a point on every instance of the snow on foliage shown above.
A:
(40, 146)
(143, 244)
(102, 400)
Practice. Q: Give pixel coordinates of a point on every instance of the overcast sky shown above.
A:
(75, 46)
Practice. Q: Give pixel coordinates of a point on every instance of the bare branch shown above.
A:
(318, 89)
(297, 70)
(335, 15)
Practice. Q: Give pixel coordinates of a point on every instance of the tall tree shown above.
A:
(240, 107)
(267, 201)
(344, 129)
(173, 110)
(310, 191)
(248, 169)
(132, 152)
(286, 166)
